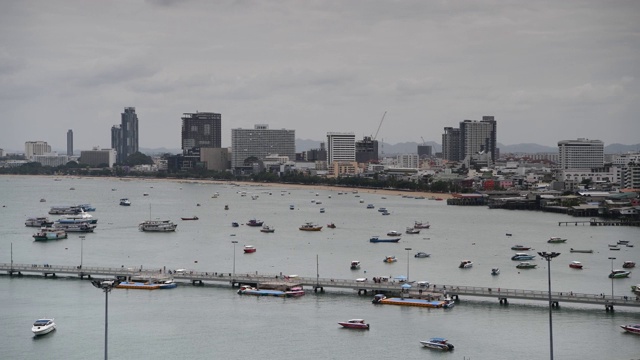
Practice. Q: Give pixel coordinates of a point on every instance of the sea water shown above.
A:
(213, 322)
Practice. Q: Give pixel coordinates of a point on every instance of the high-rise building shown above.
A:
(124, 137)
(201, 130)
(408, 161)
(341, 147)
(479, 137)
(97, 157)
(472, 138)
(451, 144)
(425, 151)
(581, 154)
(32, 148)
(367, 150)
(70, 142)
(251, 145)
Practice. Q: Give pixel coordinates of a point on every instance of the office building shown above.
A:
(97, 157)
(51, 159)
(124, 137)
(201, 130)
(32, 148)
(408, 161)
(341, 147)
(249, 146)
(425, 151)
(580, 154)
(470, 139)
(70, 142)
(367, 150)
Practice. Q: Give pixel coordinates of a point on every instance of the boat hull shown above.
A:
(633, 329)
(354, 326)
(376, 240)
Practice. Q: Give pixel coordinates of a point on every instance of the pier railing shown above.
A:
(391, 287)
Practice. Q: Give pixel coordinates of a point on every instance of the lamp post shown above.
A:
(81, 249)
(106, 286)
(234, 242)
(611, 275)
(548, 256)
(408, 249)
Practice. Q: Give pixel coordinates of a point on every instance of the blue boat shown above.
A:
(375, 239)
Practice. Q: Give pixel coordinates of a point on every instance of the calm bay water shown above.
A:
(214, 322)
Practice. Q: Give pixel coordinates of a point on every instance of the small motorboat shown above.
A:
(390, 259)
(421, 254)
(354, 324)
(321, 210)
(235, 224)
(421, 225)
(575, 265)
(255, 222)
(331, 226)
(465, 264)
(618, 274)
(394, 233)
(412, 231)
(43, 326)
(125, 202)
(310, 227)
(190, 218)
(437, 344)
(495, 271)
(586, 251)
(526, 265)
(629, 264)
(370, 206)
(520, 247)
(556, 240)
(249, 249)
(267, 229)
(522, 256)
(355, 265)
(632, 328)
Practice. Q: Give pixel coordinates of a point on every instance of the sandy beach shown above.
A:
(385, 192)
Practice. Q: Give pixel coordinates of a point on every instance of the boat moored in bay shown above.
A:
(437, 344)
(157, 226)
(43, 326)
(354, 324)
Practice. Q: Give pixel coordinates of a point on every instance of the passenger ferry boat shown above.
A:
(49, 234)
(83, 227)
(250, 290)
(376, 239)
(43, 326)
(147, 284)
(41, 221)
(526, 265)
(79, 217)
(383, 300)
(157, 226)
(556, 240)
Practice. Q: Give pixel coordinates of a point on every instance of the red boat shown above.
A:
(632, 328)
(355, 324)
(575, 265)
(249, 249)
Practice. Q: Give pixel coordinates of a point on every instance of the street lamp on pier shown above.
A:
(611, 276)
(408, 249)
(548, 256)
(234, 242)
(81, 249)
(106, 286)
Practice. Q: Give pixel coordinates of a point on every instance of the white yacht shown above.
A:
(43, 326)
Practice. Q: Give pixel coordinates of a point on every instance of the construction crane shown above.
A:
(423, 142)
(377, 131)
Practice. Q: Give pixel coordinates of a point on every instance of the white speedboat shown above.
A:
(437, 344)
(43, 326)
(355, 265)
(465, 264)
(125, 202)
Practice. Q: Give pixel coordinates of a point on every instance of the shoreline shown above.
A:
(388, 192)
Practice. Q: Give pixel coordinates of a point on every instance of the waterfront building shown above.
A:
(97, 157)
(316, 154)
(409, 161)
(343, 168)
(580, 154)
(249, 146)
(70, 142)
(341, 147)
(32, 148)
(215, 158)
(367, 150)
(124, 137)
(1, 153)
(51, 159)
(201, 130)
(628, 170)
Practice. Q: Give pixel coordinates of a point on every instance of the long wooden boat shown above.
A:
(586, 251)
(375, 239)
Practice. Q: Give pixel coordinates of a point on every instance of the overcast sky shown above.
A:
(547, 70)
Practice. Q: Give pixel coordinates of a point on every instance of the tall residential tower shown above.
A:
(124, 137)
(201, 130)
(70, 142)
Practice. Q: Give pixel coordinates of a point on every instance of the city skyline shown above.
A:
(547, 71)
